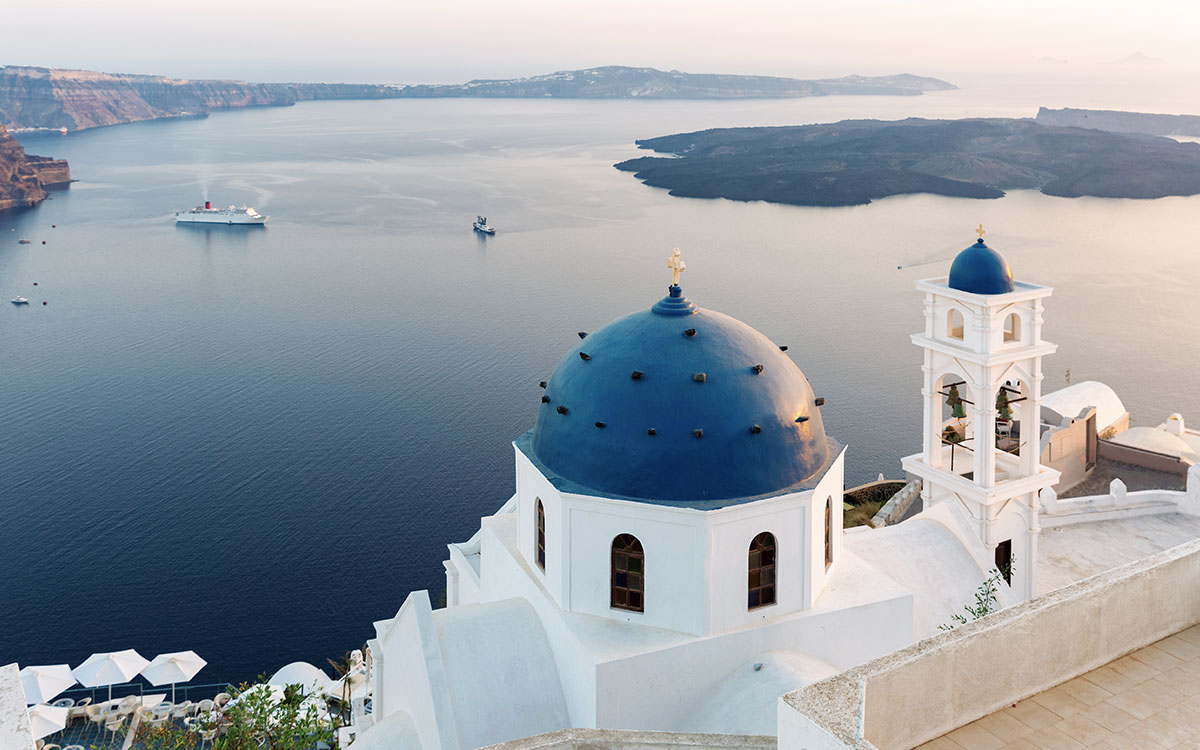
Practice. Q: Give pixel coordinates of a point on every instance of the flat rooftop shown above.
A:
(1067, 554)
(1147, 699)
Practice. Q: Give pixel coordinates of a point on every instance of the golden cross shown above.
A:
(979, 230)
(676, 264)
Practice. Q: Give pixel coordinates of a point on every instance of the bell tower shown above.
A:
(982, 393)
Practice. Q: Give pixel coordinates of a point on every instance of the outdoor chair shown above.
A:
(222, 699)
(129, 701)
(180, 710)
(97, 718)
(114, 725)
(50, 747)
(83, 702)
(205, 706)
(157, 720)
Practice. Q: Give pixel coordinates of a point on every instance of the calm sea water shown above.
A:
(253, 443)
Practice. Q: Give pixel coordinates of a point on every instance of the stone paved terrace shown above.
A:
(1147, 699)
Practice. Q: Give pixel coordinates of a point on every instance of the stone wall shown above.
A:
(14, 720)
(610, 739)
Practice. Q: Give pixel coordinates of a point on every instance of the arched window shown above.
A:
(828, 533)
(761, 588)
(628, 574)
(1012, 327)
(541, 535)
(954, 325)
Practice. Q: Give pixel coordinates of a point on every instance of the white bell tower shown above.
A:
(982, 408)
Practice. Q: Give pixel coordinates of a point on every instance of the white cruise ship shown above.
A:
(206, 214)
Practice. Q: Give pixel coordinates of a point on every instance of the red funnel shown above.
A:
(207, 204)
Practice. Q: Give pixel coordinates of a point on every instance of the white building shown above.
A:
(673, 557)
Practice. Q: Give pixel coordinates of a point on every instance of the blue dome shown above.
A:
(679, 405)
(981, 270)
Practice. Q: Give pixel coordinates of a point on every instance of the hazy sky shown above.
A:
(453, 40)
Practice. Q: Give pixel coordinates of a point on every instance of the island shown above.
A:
(24, 178)
(1117, 121)
(856, 161)
(34, 98)
(621, 82)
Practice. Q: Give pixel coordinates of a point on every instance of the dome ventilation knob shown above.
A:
(651, 431)
(562, 410)
(545, 399)
(700, 377)
(801, 419)
(757, 369)
(690, 332)
(819, 401)
(755, 429)
(783, 348)
(583, 334)
(600, 425)
(585, 356)
(697, 433)
(636, 375)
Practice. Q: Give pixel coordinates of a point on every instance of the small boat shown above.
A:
(482, 227)
(24, 242)
(20, 301)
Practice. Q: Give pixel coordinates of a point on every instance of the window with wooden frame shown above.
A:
(541, 536)
(828, 533)
(628, 574)
(761, 586)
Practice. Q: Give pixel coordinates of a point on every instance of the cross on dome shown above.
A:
(676, 264)
(979, 230)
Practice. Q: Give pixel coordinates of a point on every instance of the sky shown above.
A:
(449, 41)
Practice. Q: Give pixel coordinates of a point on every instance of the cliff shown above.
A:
(856, 161)
(1121, 122)
(24, 178)
(77, 99)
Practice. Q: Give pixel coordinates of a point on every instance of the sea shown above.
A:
(255, 442)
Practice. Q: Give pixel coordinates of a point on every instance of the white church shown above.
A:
(673, 557)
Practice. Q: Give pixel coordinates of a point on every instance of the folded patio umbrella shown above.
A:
(110, 668)
(179, 666)
(43, 683)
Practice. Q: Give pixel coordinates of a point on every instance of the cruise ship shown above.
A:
(206, 214)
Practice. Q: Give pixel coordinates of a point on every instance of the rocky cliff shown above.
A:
(24, 178)
(1121, 122)
(77, 99)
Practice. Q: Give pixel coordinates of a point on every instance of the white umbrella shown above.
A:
(180, 666)
(43, 683)
(110, 668)
(44, 720)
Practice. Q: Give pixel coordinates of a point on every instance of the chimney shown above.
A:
(207, 205)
